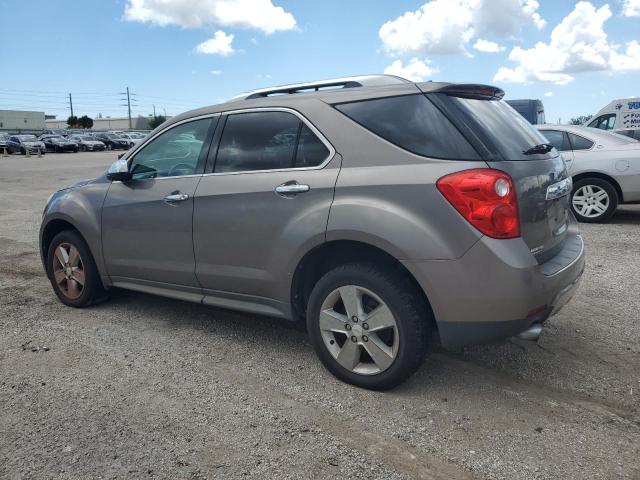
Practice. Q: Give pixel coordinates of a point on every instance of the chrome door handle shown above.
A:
(176, 197)
(291, 188)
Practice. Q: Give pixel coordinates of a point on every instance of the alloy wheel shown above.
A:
(68, 270)
(359, 330)
(590, 201)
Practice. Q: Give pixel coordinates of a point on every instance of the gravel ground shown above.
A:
(143, 386)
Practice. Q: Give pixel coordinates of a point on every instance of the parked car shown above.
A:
(605, 168)
(57, 133)
(58, 144)
(4, 138)
(133, 139)
(531, 110)
(24, 144)
(113, 141)
(87, 143)
(378, 211)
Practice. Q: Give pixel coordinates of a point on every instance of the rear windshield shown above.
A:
(503, 129)
(620, 139)
(413, 123)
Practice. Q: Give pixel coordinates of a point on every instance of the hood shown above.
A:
(79, 183)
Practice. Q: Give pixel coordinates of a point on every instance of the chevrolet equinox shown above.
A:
(381, 212)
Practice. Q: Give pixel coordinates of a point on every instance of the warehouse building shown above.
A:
(16, 121)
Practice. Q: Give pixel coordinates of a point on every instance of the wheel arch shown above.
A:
(601, 176)
(49, 231)
(328, 255)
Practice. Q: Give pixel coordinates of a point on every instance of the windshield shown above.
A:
(112, 136)
(28, 138)
(497, 122)
(87, 137)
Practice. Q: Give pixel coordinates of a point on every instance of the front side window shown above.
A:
(579, 143)
(604, 122)
(557, 139)
(173, 153)
(256, 141)
(411, 122)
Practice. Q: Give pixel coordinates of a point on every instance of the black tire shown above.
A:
(83, 148)
(23, 151)
(600, 184)
(411, 312)
(93, 291)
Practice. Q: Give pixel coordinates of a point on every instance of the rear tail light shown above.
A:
(486, 198)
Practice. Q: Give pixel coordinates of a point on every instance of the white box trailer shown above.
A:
(621, 116)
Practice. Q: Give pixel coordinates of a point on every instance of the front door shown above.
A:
(147, 222)
(266, 202)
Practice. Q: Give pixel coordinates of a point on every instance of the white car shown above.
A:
(604, 166)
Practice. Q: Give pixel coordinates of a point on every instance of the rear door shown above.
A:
(264, 202)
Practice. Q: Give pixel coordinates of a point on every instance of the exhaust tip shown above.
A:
(532, 333)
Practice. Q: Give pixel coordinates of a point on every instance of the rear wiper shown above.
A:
(541, 148)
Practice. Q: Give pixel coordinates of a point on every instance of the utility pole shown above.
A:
(165, 112)
(128, 105)
(71, 104)
(154, 110)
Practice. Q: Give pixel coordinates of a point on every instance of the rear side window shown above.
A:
(411, 122)
(557, 139)
(267, 141)
(579, 143)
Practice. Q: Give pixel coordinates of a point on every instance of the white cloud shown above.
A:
(220, 44)
(216, 72)
(631, 8)
(577, 44)
(487, 46)
(548, 94)
(251, 14)
(446, 26)
(416, 70)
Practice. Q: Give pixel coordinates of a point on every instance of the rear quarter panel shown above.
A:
(622, 164)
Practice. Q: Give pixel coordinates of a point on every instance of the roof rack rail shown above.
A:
(334, 83)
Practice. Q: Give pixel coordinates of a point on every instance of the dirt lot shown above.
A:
(143, 386)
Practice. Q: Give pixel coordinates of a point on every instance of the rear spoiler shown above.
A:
(465, 90)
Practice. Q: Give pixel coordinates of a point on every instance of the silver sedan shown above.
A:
(605, 168)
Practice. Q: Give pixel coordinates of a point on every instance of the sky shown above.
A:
(182, 54)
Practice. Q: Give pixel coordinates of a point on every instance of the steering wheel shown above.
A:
(175, 170)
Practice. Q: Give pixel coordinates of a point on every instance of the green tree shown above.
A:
(72, 121)
(580, 120)
(156, 121)
(85, 122)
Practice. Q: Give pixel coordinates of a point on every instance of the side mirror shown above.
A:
(119, 170)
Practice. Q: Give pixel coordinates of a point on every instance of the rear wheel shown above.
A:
(369, 325)
(72, 271)
(594, 200)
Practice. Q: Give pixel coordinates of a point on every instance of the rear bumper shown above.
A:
(497, 289)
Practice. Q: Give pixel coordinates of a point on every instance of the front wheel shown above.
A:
(594, 200)
(369, 325)
(72, 271)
